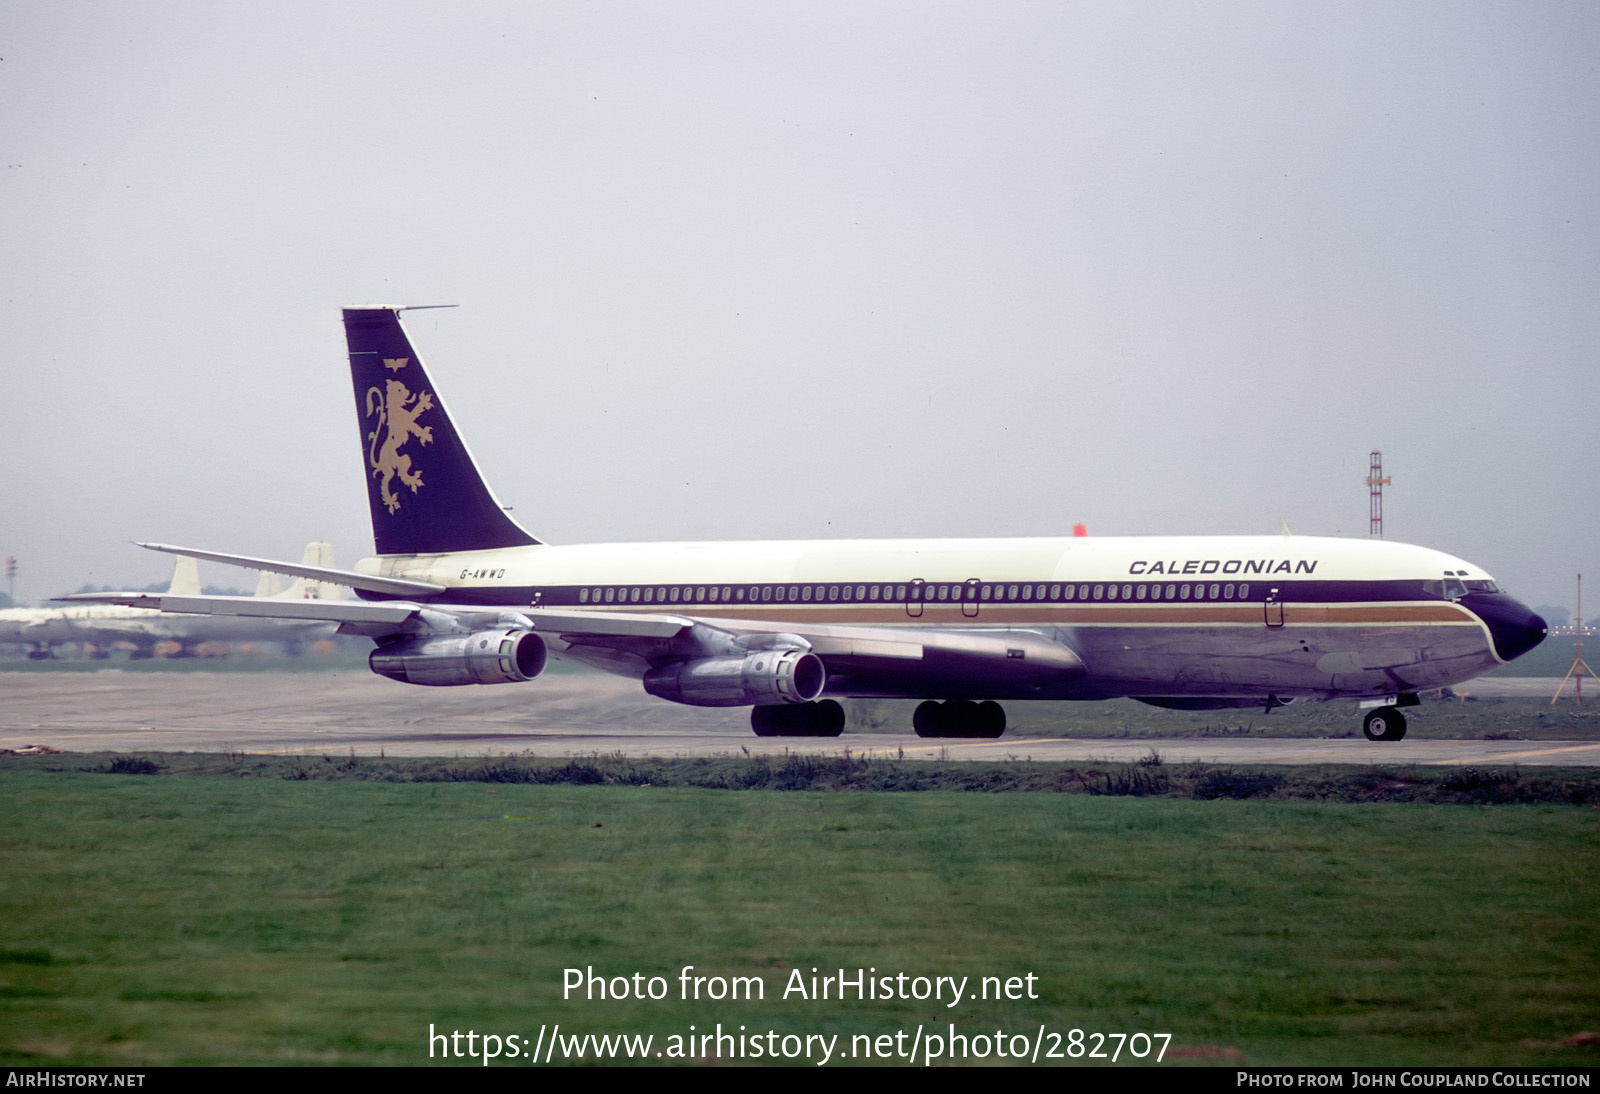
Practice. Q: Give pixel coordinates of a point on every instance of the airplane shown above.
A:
(459, 593)
(101, 625)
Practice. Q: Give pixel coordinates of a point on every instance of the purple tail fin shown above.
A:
(424, 489)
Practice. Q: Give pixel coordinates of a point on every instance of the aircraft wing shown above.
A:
(650, 637)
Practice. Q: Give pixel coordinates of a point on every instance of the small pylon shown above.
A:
(1579, 665)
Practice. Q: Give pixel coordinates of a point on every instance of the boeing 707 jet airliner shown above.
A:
(459, 593)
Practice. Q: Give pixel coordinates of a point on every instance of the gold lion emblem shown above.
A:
(397, 410)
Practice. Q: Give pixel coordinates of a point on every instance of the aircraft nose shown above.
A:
(1514, 627)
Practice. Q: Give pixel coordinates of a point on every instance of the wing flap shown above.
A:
(398, 613)
(326, 611)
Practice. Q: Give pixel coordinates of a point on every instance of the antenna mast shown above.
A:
(1376, 481)
(1579, 666)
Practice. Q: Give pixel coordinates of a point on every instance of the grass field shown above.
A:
(206, 919)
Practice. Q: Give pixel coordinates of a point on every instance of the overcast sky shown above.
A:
(807, 270)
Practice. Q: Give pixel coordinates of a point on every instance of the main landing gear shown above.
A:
(959, 718)
(1384, 724)
(820, 719)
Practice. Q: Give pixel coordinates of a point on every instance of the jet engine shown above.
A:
(762, 678)
(508, 656)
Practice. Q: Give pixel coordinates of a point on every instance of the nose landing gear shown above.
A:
(1384, 724)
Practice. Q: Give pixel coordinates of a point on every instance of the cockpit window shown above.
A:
(1453, 587)
(1481, 586)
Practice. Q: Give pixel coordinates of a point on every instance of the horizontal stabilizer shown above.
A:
(399, 586)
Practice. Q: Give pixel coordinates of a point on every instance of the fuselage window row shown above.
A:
(713, 594)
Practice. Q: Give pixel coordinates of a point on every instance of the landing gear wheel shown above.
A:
(822, 719)
(1384, 724)
(827, 718)
(959, 718)
(767, 721)
(991, 720)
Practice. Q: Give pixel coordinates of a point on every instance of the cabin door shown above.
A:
(914, 597)
(1274, 609)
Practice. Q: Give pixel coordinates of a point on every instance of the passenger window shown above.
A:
(872, 592)
(1027, 592)
(1183, 592)
(1111, 592)
(610, 595)
(1069, 591)
(805, 592)
(1214, 592)
(1012, 595)
(1141, 592)
(583, 596)
(1244, 592)
(1055, 592)
(1099, 590)
(1227, 592)
(984, 594)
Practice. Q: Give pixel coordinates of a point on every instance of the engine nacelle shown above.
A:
(763, 678)
(508, 656)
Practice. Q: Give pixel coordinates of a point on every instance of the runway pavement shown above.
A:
(583, 714)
